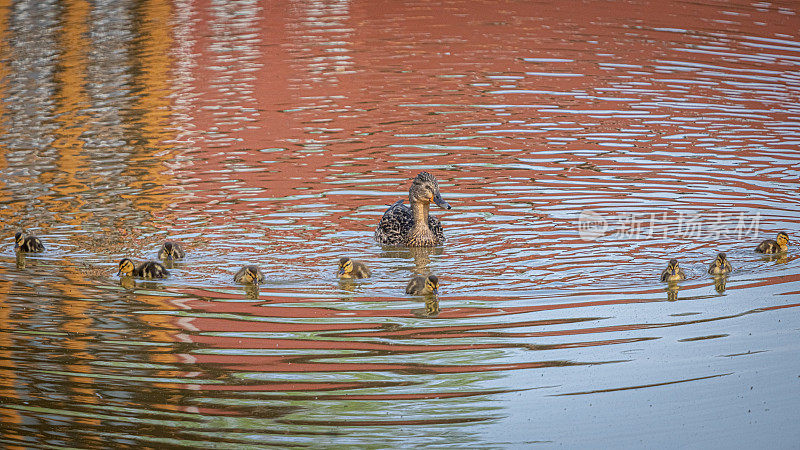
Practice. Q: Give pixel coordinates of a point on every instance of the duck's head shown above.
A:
(169, 247)
(252, 275)
(721, 260)
(782, 239)
(432, 284)
(345, 267)
(425, 189)
(672, 267)
(18, 237)
(126, 267)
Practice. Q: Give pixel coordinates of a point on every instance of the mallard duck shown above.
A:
(672, 272)
(249, 275)
(147, 269)
(422, 285)
(779, 245)
(720, 266)
(171, 250)
(414, 227)
(27, 244)
(349, 268)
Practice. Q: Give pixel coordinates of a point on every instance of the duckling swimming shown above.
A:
(249, 275)
(349, 268)
(720, 266)
(148, 269)
(414, 227)
(27, 244)
(779, 245)
(672, 272)
(422, 285)
(171, 250)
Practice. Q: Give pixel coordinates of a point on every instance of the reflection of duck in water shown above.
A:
(779, 245)
(27, 244)
(420, 255)
(719, 283)
(720, 266)
(431, 307)
(349, 268)
(414, 227)
(148, 269)
(249, 275)
(672, 272)
(171, 250)
(422, 285)
(672, 291)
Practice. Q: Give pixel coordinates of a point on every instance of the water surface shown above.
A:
(580, 145)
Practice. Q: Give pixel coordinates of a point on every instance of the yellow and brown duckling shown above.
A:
(422, 285)
(673, 272)
(414, 227)
(720, 266)
(171, 250)
(147, 269)
(779, 245)
(27, 244)
(349, 268)
(249, 275)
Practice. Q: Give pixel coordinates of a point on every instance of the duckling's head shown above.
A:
(783, 239)
(251, 275)
(345, 267)
(18, 237)
(432, 284)
(126, 267)
(168, 249)
(425, 189)
(721, 259)
(672, 267)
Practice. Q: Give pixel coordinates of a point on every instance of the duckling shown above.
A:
(171, 250)
(349, 268)
(779, 245)
(147, 269)
(413, 227)
(27, 244)
(422, 285)
(720, 266)
(249, 275)
(672, 272)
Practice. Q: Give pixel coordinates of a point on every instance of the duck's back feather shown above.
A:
(151, 269)
(768, 246)
(30, 244)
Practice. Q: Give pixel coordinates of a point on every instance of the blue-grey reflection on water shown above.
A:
(581, 148)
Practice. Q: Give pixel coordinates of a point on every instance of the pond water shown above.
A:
(581, 145)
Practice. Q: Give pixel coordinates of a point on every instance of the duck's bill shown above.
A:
(440, 201)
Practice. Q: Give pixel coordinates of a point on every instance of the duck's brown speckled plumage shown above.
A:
(171, 250)
(422, 285)
(720, 266)
(781, 244)
(673, 272)
(249, 275)
(27, 244)
(350, 268)
(147, 269)
(398, 225)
